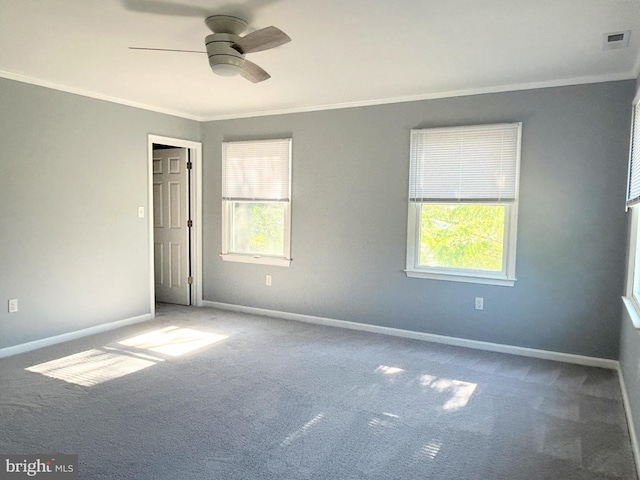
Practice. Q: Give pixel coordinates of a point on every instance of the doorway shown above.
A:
(175, 221)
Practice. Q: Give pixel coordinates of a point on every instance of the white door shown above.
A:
(170, 229)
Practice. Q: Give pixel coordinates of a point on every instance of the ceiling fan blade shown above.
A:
(253, 72)
(166, 50)
(263, 39)
(165, 8)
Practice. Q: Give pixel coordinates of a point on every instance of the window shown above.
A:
(463, 203)
(256, 201)
(633, 202)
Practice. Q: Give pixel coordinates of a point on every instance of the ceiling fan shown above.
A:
(226, 49)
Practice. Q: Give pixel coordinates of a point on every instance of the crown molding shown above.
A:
(331, 106)
(97, 96)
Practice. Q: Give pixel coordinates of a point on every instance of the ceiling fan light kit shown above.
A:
(223, 58)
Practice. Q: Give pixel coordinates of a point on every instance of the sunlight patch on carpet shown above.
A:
(302, 431)
(173, 341)
(386, 420)
(386, 370)
(459, 392)
(94, 366)
(431, 449)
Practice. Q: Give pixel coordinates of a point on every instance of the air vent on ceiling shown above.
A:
(616, 40)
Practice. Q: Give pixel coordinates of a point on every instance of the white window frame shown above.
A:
(506, 277)
(228, 254)
(631, 300)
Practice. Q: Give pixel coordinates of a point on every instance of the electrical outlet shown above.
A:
(479, 303)
(268, 280)
(13, 305)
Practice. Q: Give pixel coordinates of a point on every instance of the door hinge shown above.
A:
(189, 165)
(190, 280)
(189, 223)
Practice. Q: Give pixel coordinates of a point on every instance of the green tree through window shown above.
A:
(462, 236)
(259, 227)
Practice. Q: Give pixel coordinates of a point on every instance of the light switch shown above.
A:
(140, 212)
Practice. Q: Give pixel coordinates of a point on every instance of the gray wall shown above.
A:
(73, 171)
(350, 170)
(74, 253)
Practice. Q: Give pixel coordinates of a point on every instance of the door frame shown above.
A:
(195, 156)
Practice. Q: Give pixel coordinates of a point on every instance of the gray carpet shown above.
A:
(208, 394)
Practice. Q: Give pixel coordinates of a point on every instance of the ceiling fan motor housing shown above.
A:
(224, 60)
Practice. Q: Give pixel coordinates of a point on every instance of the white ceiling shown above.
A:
(343, 52)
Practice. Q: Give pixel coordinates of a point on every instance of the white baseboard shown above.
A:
(428, 337)
(65, 337)
(629, 414)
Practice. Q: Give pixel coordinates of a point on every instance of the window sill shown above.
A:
(632, 310)
(457, 277)
(257, 259)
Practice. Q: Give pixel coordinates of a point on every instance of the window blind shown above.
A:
(256, 170)
(471, 164)
(633, 188)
